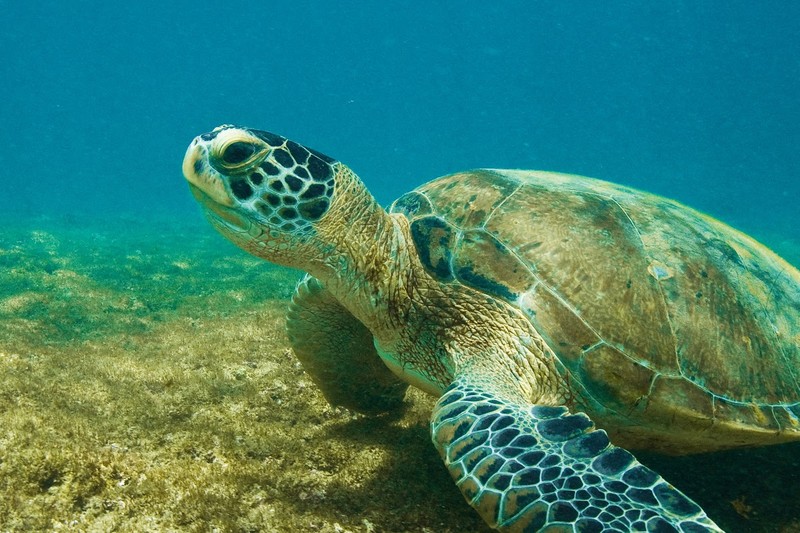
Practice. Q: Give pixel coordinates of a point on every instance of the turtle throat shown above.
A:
(365, 257)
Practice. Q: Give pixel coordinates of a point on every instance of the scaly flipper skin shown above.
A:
(339, 354)
(541, 468)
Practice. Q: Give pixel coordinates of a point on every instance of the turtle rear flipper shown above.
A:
(525, 468)
(339, 354)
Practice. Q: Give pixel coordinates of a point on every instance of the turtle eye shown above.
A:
(237, 152)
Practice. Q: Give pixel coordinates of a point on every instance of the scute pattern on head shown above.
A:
(291, 188)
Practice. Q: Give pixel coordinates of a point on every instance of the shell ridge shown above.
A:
(575, 312)
(660, 289)
(498, 206)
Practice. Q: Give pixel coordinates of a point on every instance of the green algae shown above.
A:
(147, 385)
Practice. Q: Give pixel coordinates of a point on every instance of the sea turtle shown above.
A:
(533, 305)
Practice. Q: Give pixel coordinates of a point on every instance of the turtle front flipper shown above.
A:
(338, 352)
(535, 467)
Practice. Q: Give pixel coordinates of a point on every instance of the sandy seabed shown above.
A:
(146, 384)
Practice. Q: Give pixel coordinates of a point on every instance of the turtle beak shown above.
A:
(208, 189)
(200, 175)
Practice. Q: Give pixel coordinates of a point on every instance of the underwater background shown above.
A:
(145, 379)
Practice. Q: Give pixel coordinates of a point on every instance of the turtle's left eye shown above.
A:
(238, 152)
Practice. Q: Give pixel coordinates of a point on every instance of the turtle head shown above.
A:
(264, 192)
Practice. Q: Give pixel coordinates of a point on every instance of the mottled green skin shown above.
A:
(673, 331)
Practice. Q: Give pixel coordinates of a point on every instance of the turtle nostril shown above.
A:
(237, 152)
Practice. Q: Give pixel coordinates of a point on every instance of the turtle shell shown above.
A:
(662, 317)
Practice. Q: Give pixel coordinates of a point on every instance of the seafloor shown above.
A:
(147, 385)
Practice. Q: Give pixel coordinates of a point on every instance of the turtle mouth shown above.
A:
(201, 176)
(219, 214)
(208, 188)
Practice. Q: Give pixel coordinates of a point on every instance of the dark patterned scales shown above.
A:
(575, 478)
(286, 167)
(534, 305)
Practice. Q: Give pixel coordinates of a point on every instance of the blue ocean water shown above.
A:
(695, 100)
